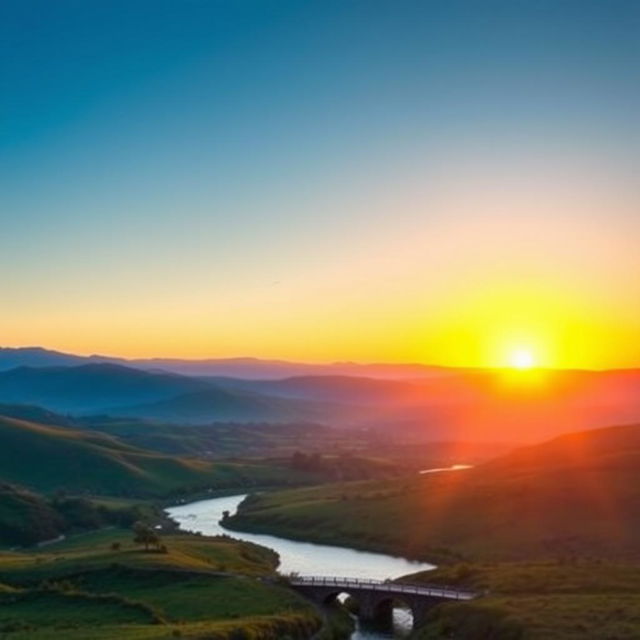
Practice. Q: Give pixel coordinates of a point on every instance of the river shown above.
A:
(307, 558)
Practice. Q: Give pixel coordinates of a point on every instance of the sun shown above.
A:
(522, 359)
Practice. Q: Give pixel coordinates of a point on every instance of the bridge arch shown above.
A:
(384, 605)
(397, 611)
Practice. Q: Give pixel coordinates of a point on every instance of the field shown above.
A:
(539, 601)
(102, 585)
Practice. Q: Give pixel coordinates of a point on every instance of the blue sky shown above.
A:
(158, 154)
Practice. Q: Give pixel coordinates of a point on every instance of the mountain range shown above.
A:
(454, 404)
(235, 367)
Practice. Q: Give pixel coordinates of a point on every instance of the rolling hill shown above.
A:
(26, 517)
(48, 458)
(222, 405)
(91, 387)
(577, 495)
(469, 405)
(123, 391)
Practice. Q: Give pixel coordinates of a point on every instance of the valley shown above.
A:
(542, 530)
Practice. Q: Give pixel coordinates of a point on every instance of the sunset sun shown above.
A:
(522, 359)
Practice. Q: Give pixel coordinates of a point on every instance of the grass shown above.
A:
(572, 497)
(101, 585)
(47, 458)
(550, 531)
(538, 601)
(94, 551)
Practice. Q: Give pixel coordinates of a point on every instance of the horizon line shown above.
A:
(203, 359)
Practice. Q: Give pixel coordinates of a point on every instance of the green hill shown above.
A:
(575, 496)
(26, 518)
(537, 601)
(104, 586)
(47, 458)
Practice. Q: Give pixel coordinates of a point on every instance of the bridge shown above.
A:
(375, 598)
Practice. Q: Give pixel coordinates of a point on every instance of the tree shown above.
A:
(144, 534)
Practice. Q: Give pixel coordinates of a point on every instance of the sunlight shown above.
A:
(522, 359)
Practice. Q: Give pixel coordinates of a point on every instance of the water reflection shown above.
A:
(399, 626)
(305, 558)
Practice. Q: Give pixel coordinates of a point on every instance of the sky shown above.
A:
(438, 182)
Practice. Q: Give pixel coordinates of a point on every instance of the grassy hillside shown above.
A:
(104, 586)
(46, 458)
(26, 518)
(538, 601)
(220, 440)
(578, 495)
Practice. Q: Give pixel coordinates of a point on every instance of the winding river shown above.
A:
(306, 558)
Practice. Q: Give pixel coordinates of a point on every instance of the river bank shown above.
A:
(307, 558)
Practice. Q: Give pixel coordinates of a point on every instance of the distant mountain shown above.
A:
(449, 404)
(250, 368)
(36, 357)
(255, 368)
(216, 404)
(330, 388)
(470, 405)
(91, 387)
(122, 391)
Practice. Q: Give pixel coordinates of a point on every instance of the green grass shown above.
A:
(201, 587)
(185, 597)
(47, 458)
(538, 601)
(558, 500)
(57, 609)
(550, 531)
(26, 517)
(94, 551)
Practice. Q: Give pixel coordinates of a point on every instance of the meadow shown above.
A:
(538, 601)
(103, 585)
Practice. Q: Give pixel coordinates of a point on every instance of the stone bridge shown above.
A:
(375, 598)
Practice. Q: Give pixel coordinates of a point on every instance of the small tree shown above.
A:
(144, 534)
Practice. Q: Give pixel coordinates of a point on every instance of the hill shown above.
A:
(468, 404)
(537, 601)
(104, 586)
(46, 458)
(223, 405)
(577, 495)
(90, 388)
(26, 518)
(123, 391)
